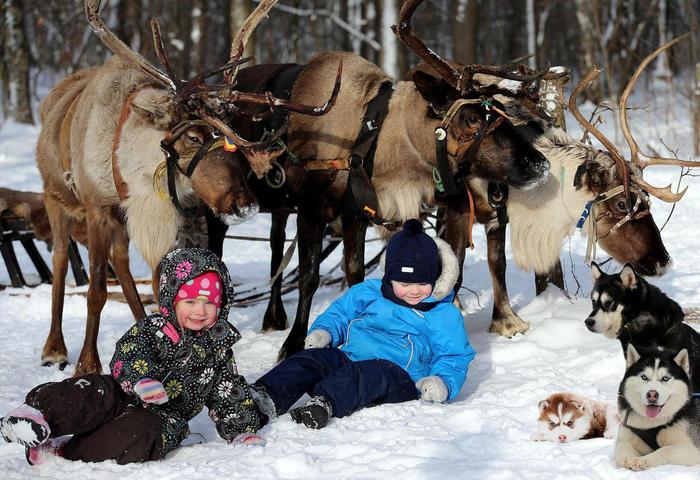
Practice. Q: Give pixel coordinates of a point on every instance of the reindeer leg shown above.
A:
(455, 234)
(504, 321)
(354, 229)
(555, 276)
(54, 350)
(99, 239)
(310, 227)
(216, 231)
(275, 317)
(120, 261)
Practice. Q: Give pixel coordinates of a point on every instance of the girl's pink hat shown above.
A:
(207, 286)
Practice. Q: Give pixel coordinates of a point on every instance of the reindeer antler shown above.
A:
(665, 193)
(612, 149)
(462, 80)
(239, 42)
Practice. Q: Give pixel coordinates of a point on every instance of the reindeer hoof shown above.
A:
(85, 369)
(49, 360)
(507, 327)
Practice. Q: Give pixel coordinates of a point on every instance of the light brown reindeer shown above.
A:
(405, 158)
(542, 218)
(99, 154)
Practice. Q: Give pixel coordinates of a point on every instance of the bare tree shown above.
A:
(465, 31)
(17, 53)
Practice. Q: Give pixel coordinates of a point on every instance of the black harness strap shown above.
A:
(648, 435)
(360, 195)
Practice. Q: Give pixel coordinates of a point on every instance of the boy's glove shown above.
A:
(432, 389)
(317, 339)
(151, 391)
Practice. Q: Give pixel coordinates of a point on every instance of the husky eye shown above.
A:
(552, 424)
(644, 377)
(665, 378)
(570, 423)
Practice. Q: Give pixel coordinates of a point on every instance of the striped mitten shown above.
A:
(151, 391)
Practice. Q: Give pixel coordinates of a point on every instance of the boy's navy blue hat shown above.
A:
(412, 256)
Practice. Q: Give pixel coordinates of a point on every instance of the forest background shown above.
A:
(42, 42)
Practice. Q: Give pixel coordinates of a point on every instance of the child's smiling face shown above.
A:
(411, 293)
(195, 313)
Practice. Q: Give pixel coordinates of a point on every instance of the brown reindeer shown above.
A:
(99, 154)
(542, 218)
(405, 153)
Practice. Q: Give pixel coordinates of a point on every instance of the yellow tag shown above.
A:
(229, 146)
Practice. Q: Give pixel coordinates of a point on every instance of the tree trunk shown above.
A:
(390, 44)
(465, 31)
(588, 45)
(19, 61)
(4, 65)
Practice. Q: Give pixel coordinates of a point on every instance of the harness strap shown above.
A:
(470, 224)
(647, 435)
(360, 194)
(119, 182)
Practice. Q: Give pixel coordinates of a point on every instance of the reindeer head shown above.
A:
(479, 133)
(196, 114)
(623, 222)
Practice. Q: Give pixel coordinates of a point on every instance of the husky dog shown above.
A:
(627, 307)
(661, 416)
(565, 417)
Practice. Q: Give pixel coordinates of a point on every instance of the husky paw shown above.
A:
(609, 433)
(537, 437)
(507, 327)
(637, 463)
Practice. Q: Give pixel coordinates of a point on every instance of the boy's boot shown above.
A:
(314, 414)
(25, 425)
(52, 447)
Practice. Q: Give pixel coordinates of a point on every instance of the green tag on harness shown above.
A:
(438, 181)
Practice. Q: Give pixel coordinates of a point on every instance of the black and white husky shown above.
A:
(661, 416)
(627, 307)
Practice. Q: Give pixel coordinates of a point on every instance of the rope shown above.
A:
(470, 224)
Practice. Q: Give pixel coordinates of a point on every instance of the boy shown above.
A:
(384, 341)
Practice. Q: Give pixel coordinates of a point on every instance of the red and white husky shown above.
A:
(565, 417)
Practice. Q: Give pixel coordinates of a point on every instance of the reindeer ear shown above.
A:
(158, 111)
(596, 272)
(542, 405)
(628, 277)
(597, 177)
(434, 90)
(632, 356)
(683, 361)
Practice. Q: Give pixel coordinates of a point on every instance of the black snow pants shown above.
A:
(96, 411)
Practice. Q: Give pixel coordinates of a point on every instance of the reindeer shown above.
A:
(582, 179)
(477, 140)
(99, 154)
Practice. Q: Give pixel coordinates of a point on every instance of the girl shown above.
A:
(165, 370)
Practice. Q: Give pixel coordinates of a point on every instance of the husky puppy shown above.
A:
(661, 416)
(627, 307)
(565, 417)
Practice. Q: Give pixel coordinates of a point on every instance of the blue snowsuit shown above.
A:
(383, 349)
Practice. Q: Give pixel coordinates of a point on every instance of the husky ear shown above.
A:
(628, 277)
(683, 361)
(596, 272)
(542, 405)
(579, 406)
(632, 356)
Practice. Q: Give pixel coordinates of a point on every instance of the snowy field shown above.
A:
(484, 434)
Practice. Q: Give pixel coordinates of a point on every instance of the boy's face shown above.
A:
(195, 314)
(411, 293)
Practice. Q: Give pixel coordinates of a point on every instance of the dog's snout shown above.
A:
(653, 396)
(590, 323)
(562, 438)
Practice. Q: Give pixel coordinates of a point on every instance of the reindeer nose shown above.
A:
(562, 438)
(653, 396)
(590, 323)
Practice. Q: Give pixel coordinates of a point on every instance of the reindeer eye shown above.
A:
(473, 119)
(644, 377)
(665, 378)
(194, 139)
(621, 205)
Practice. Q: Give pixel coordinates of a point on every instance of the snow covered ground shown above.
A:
(483, 434)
